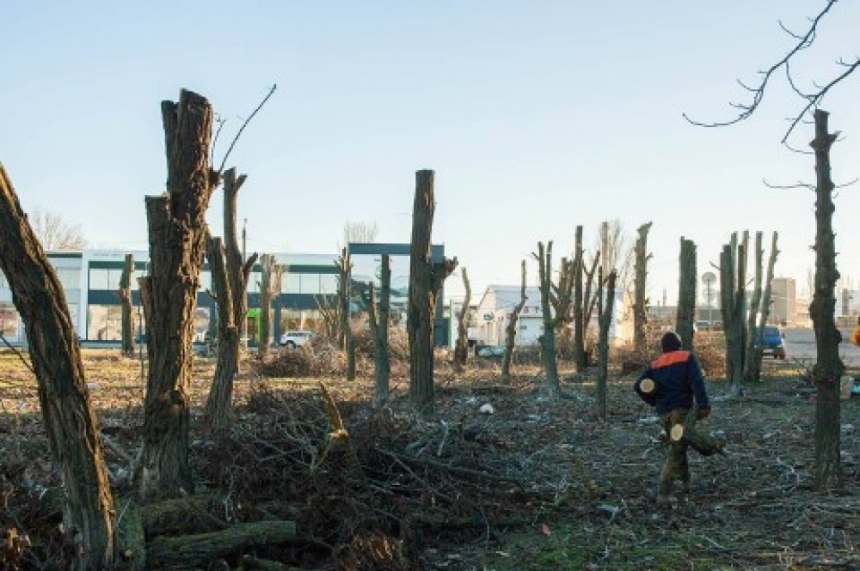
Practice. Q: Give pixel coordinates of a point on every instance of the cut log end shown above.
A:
(647, 386)
(702, 442)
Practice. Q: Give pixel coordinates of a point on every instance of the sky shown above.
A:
(536, 116)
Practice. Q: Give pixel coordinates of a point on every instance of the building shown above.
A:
(784, 306)
(90, 280)
(494, 312)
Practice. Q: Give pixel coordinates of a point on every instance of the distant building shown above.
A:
(784, 296)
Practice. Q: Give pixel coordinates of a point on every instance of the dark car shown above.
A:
(772, 341)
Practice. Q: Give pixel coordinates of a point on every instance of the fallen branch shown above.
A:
(206, 547)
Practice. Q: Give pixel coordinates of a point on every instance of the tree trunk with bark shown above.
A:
(461, 348)
(230, 274)
(605, 311)
(686, 315)
(828, 367)
(426, 277)
(640, 300)
(379, 315)
(89, 518)
(177, 228)
(733, 300)
(752, 363)
(127, 319)
(555, 306)
(764, 312)
(511, 329)
(579, 301)
(346, 337)
(270, 286)
(218, 412)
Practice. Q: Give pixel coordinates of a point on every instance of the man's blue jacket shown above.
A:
(678, 377)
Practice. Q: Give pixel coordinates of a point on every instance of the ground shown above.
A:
(529, 483)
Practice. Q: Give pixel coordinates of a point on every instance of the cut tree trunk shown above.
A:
(125, 301)
(640, 299)
(699, 440)
(70, 422)
(461, 348)
(379, 315)
(426, 277)
(511, 330)
(177, 227)
(218, 411)
(828, 367)
(203, 548)
(686, 315)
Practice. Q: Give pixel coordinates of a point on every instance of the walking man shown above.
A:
(672, 383)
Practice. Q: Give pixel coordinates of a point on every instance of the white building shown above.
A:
(498, 302)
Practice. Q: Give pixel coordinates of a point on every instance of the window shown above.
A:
(104, 322)
(8, 321)
(310, 283)
(70, 278)
(328, 284)
(105, 279)
(291, 283)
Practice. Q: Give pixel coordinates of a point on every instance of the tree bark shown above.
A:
(733, 302)
(605, 312)
(640, 300)
(379, 315)
(70, 422)
(177, 228)
(345, 335)
(579, 325)
(511, 330)
(270, 286)
(828, 367)
(203, 548)
(230, 273)
(765, 304)
(752, 363)
(125, 301)
(547, 339)
(686, 315)
(461, 348)
(218, 412)
(426, 277)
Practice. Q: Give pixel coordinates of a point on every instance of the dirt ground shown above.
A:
(530, 484)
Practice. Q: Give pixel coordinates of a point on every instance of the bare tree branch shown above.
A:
(812, 98)
(242, 128)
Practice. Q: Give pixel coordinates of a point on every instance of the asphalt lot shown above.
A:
(800, 344)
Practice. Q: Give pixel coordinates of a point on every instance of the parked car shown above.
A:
(296, 338)
(772, 341)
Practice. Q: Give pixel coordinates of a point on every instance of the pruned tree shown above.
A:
(426, 277)
(346, 339)
(177, 232)
(125, 303)
(733, 305)
(56, 233)
(71, 426)
(811, 97)
(752, 362)
(461, 347)
(754, 357)
(828, 368)
(511, 329)
(270, 286)
(686, 316)
(640, 291)
(556, 300)
(230, 274)
(379, 314)
(583, 300)
(605, 311)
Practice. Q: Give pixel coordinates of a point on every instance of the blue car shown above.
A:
(772, 341)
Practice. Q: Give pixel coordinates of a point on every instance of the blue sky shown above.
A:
(536, 116)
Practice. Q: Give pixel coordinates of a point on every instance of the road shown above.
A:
(800, 344)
